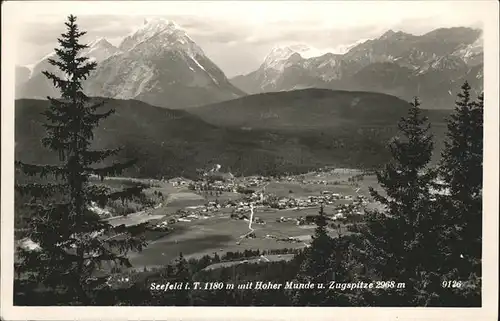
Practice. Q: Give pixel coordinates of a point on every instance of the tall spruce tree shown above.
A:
(461, 169)
(316, 267)
(183, 275)
(73, 240)
(399, 240)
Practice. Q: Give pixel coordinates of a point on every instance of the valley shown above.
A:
(196, 223)
(247, 154)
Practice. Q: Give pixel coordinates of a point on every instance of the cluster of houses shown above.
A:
(284, 219)
(254, 181)
(241, 209)
(220, 186)
(223, 182)
(189, 214)
(162, 226)
(326, 198)
(340, 212)
(301, 220)
(301, 178)
(210, 207)
(288, 239)
(179, 182)
(356, 208)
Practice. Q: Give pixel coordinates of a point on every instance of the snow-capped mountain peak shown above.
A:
(30, 68)
(159, 23)
(101, 41)
(300, 48)
(99, 50)
(277, 57)
(395, 62)
(472, 53)
(167, 30)
(155, 26)
(50, 55)
(156, 61)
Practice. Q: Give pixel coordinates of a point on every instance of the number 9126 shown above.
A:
(451, 284)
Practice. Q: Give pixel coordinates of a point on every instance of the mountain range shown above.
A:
(431, 66)
(263, 133)
(158, 64)
(161, 65)
(30, 82)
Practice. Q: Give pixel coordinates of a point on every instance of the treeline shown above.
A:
(424, 246)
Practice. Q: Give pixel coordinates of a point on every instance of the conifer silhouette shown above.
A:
(72, 240)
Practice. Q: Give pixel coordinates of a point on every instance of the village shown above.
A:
(252, 191)
(257, 212)
(221, 196)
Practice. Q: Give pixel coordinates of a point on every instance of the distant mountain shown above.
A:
(288, 131)
(331, 124)
(309, 109)
(165, 141)
(163, 66)
(158, 63)
(37, 86)
(431, 66)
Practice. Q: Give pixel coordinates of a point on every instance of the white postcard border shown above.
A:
(12, 10)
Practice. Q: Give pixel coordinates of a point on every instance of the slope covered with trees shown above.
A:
(275, 132)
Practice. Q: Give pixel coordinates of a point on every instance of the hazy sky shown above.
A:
(238, 35)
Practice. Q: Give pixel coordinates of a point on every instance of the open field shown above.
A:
(206, 236)
(283, 189)
(222, 234)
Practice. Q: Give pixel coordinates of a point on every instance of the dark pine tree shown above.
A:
(316, 267)
(182, 274)
(400, 241)
(461, 169)
(73, 240)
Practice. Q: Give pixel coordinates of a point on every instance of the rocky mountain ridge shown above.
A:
(396, 63)
(158, 64)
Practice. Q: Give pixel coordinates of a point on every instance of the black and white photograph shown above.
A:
(279, 154)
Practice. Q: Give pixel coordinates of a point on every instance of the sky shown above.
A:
(238, 36)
